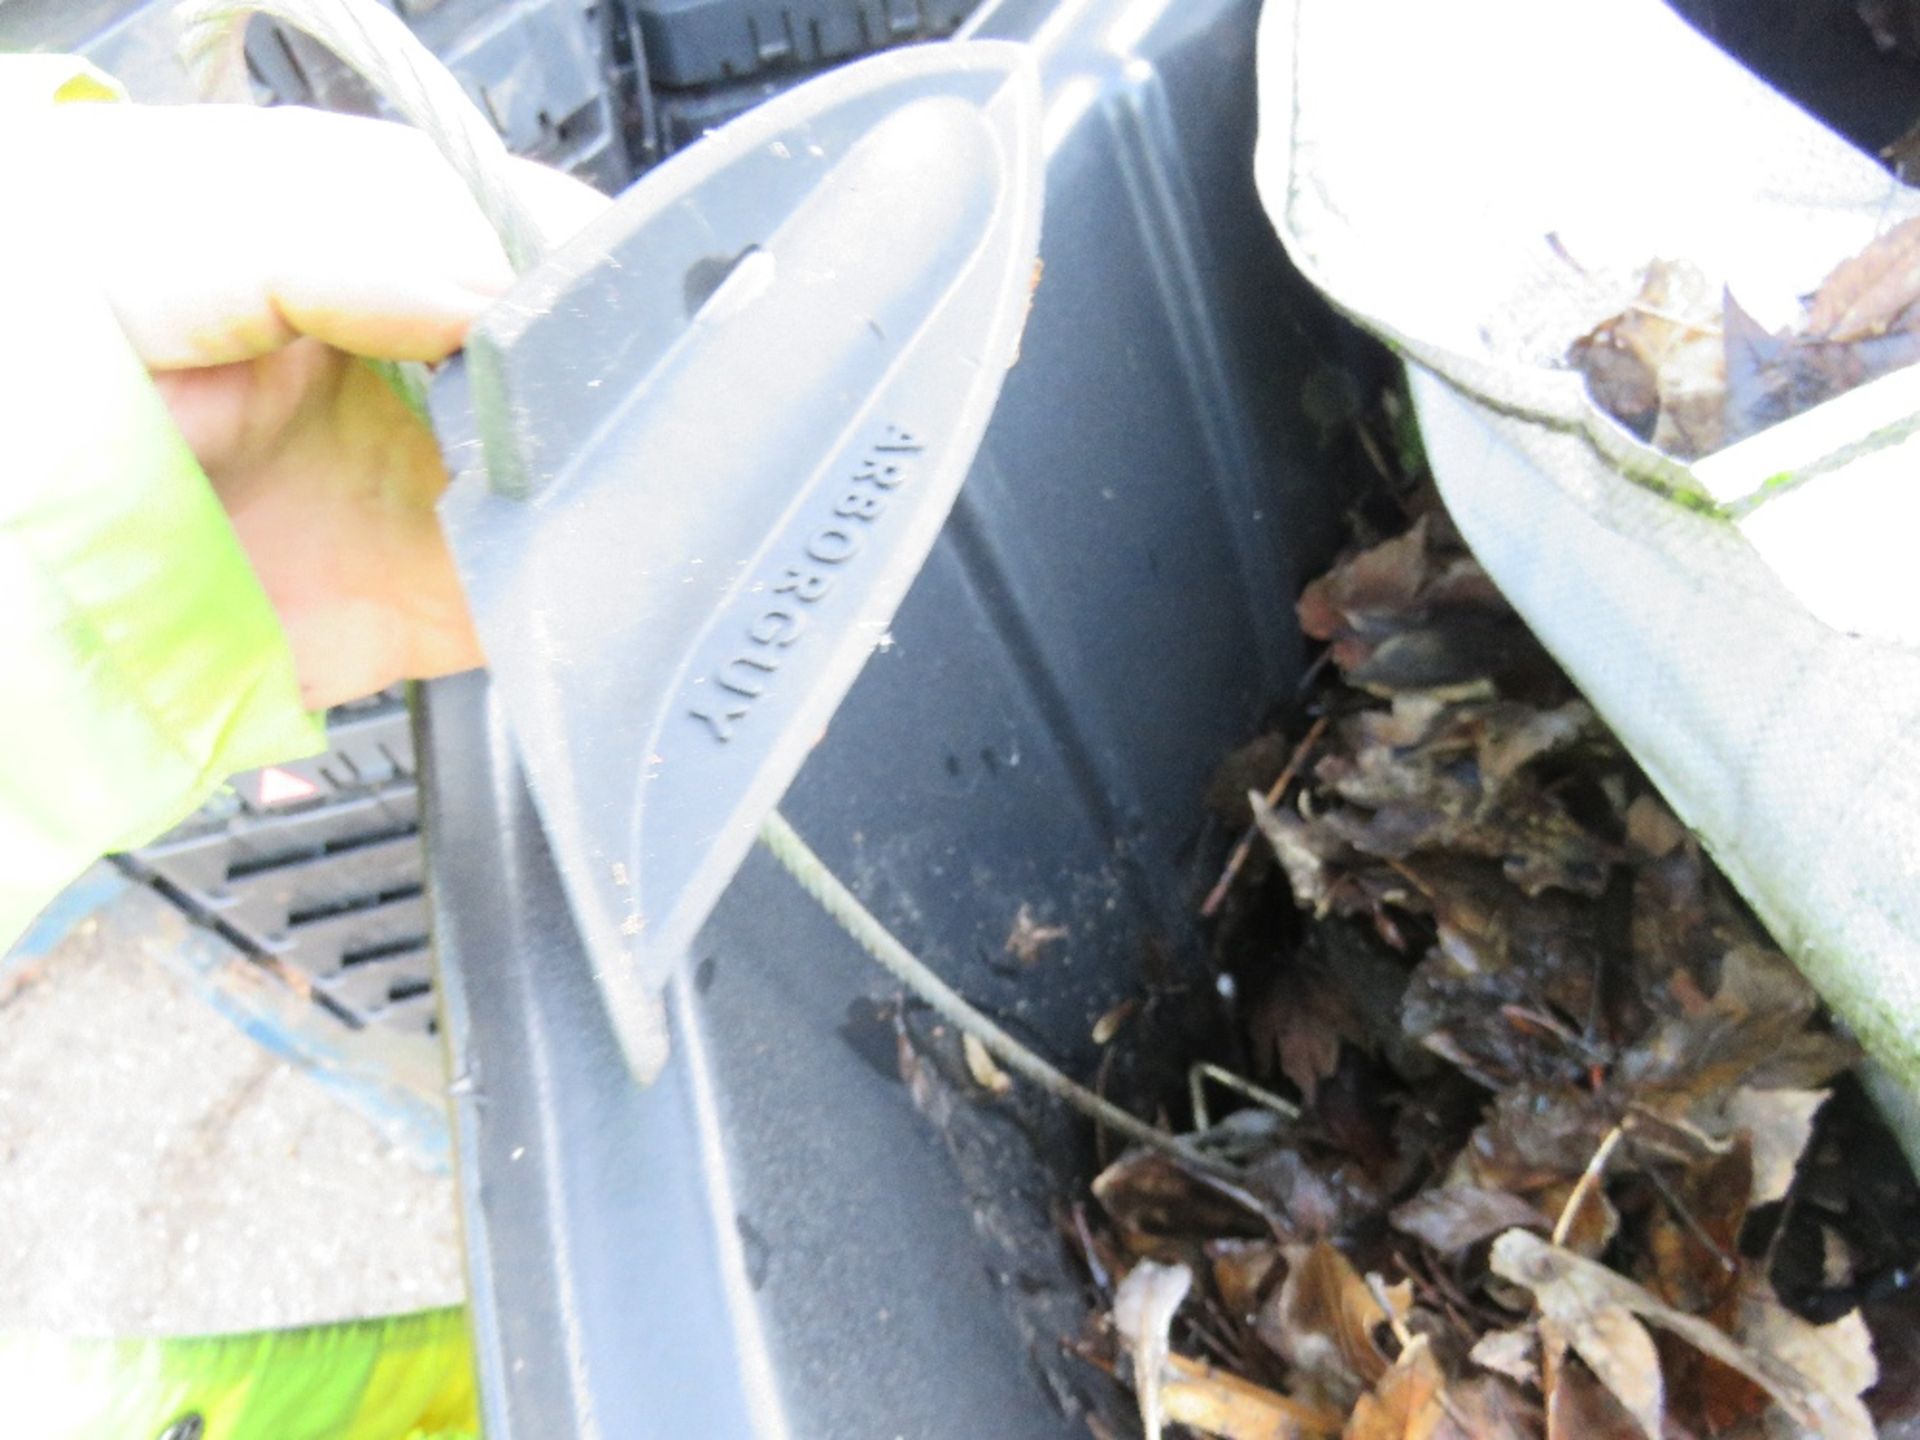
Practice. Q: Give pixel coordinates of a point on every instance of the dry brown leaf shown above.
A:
(1768, 377)
(1688, 369)
(1151, 1193)
(1409, 1403)
(1510, 737)
(1706, 1398)
(1579, 1407)
(1454, 1217)
(1303, 853)
(1535, 1141)
(1837, 1360)
(1872, 292)
(1212, 1402)
(1323, 1322)
(1309, 1201)
(1396, 1299)
(1693, 1238)
(1778, 1123)
(1593, 1222)
(1512, 1353)
(1414, 1401)
(1028, 937)
(1570, 1288)
(1549, 933)
(1601, 1330)
(1757, 1031)
(1659, 367)
(1416, 613)
(1456, 778)
(1384, 580)
(1620, 1352)
(1773, 376)
(1652, 828)
(1488, 1409)
(1299, 1020)
(986, 1072)
(1109, 1024)
(1241, 1270)
(1895, 1399)
(1143, 1311)
(1693, 388)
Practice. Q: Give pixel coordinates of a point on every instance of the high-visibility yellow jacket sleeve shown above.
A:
(408, 1377)
(140, 662)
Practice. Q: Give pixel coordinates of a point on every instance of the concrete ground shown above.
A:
(162, 1173)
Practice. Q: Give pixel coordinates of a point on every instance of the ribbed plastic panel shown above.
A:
(542, 69)
(701, 42)
(317, 862)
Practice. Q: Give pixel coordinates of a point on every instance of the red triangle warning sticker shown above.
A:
(283, 787)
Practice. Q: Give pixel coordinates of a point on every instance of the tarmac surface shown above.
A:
(162, 1173)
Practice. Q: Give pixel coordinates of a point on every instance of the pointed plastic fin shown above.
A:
(700, 454)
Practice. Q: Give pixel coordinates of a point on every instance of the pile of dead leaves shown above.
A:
(1690, 371)
(1564, 1160)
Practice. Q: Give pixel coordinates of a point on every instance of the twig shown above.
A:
(1088, 1353)
(1095, 1268)
(859, 922)
(1589, 1178)
(1377, 1288)
(1373, 451)
(1692, 1223)
(1681, 322)
(1789, 1202)
(1519, 1016)
(1211, 1331)
(1204, 1071)
(1404, 1337)
(1312, 672)
(1459, 1309)
(1217, 896)
(1101, 1072)
(1555, 244)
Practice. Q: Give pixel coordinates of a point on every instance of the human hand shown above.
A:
(250, 255)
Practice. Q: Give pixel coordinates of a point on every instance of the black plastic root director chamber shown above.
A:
(770, 1240)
